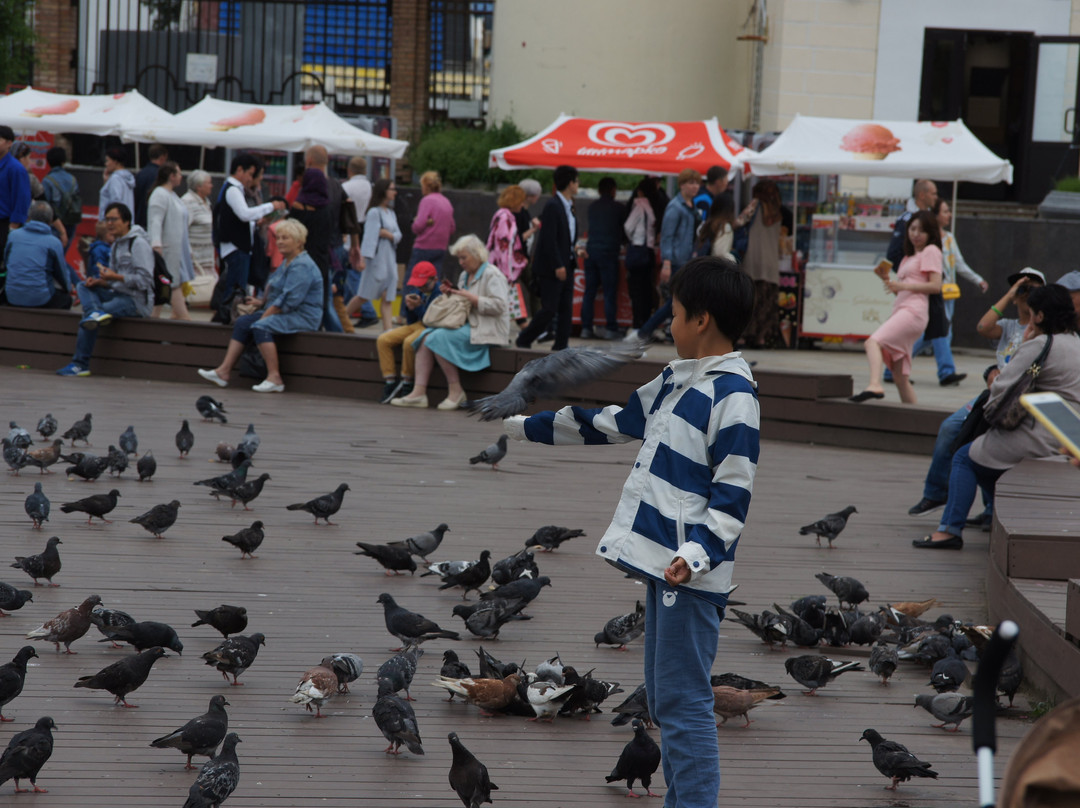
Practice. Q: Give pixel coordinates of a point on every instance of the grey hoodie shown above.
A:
(119, 187)
(133, 258)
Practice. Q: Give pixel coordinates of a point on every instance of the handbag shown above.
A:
(950, 291)
(1007, 412)
(446, 311)
(938, 324)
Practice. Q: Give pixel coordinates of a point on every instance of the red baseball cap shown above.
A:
(423, 272)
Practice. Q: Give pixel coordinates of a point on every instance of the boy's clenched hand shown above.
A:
(677, 573)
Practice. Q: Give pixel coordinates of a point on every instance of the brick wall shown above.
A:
(409, 67)
(56, 23)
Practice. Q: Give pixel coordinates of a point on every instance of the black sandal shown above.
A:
(865, 395)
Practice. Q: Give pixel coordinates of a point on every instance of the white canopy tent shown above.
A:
(29, 110)
(215, 123)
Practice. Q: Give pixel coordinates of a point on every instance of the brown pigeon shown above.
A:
(45, 456)
(730, 702)
(487, 694)
(67, 626)
(316, 687)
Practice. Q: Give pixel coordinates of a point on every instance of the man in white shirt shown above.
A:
(234, 220)
(358, 188)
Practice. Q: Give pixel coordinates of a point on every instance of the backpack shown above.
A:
(69, 210)
(162, 280)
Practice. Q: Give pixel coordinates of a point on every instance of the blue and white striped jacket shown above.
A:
(689, 490)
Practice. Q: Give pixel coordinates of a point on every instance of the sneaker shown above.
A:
(633, 336)
(925, 506)
(587, 333)
(547, 336)
(952, 379)
(406, 388)
(391, 390)
(73, 370)
(94, 319)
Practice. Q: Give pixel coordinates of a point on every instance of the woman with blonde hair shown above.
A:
(506, 248)
(434, 223)
(467, 347)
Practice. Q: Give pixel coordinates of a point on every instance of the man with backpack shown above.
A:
(125, 288)
(62, 192)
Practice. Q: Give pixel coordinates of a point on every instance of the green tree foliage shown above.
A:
(16, 42)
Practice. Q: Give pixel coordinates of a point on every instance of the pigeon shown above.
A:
(45, 456)
(471, 577)
(526, 589)
(45, 565)
(636, 705)
(217, 778)
(14, 457)
(226, 619)
(125, 675)
(146, 466)
(639, 760)
(117, 460)
(399, 670)
(129, 441)
(883, 660)
(26, 753)
(847, 590)
(492, 454)
(453, 668)
(409, 627)
(13, 676)
(210, 409)
(96, 505)
(13, 599)
(224, 452)
(237, 457)
(949, 673)
(107, 620)
(491, 668)
(836, 631)
(895, 761)
(798, 630)
(829, 526)
(346, 667)
(912, 609)
(519, 565)
(199, 736)
(47, 426)
(468, 776)
(549, 537)
(393, 558)
(80, 430)
(19, 437)
(396, 719)
(247, 540)
(948, 708)
(145, 635)
(811, 608)
(866, 629)
(322, 507)
(767, 626)
(445, 568)
(622, 629)
(317, 685)
(487, 617)
(731, 702)
(235, 655)
(589, 693)
(89, 467)
(37, 506)
(423, 544)
(551, 375)
(1011, 676)
(546, 699)
(185, 439)
(66, 627)
(159, 518)
(814, 671)
(249, 444)
(222, 483)
(246, 491)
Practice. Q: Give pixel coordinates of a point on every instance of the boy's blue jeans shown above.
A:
(102, 299)
(681, 633)
(966, 476)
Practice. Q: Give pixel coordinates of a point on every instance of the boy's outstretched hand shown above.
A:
(677, 573)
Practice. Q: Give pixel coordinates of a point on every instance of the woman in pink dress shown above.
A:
(919, 277)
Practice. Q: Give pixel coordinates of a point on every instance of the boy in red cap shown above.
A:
(422, 278)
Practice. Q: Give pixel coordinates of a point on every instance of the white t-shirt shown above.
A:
(1012, 334)
(358, 189)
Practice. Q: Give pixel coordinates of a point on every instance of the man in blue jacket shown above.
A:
(36, 275)
(14, 188)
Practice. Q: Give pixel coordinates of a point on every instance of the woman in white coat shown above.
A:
(167, 223)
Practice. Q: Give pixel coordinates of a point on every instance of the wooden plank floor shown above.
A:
(311, 596)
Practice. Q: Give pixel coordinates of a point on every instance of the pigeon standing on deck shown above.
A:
(145, 635)
(249, 444)
(37, 506)
(19, 437)
(948, 708)
(847, 590)
(519, 565)
(949, 672)
(129, 441)
(409, 627)
(80, 430)
(549, 537)
(146, 466)
(895, 761)
(43, 565)
(217, 778)
(639, 760)
(89, 467)
(210, 409)
(814, 671)
(322, 507)
(247, 540)
(226, 619)
(13, 599)
(396, 719)
(117, 460)
(97, 505)
(66, 627)
(468, 776)
(13, 676)
(393, 557)
(346, 667)
(317, 686)
(453, 668)
(248, 490)
(471, 577)
(883, 660)
(423, 544)
(47, 426)
(235, 655)
(492, 454)
(14, 456)
(185, 439)
(622, 629)
(201, 735)
(159, 518)
(829, 526)
(398, 671)
(45, 456)
(26, 753)
(223, 482)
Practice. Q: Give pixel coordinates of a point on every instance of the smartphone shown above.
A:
(1057, 415)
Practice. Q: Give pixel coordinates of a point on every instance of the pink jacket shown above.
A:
(434, 236)
(504, 245)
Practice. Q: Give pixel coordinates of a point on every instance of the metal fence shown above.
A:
(460, 58)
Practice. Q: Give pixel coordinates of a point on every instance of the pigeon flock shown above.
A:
(446, 611)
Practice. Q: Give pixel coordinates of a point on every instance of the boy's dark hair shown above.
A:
(56, 156)
(118, 154)
(7, 133)
(157, 151)
(718, 287)
(563, 176)
(243, 161)
(122, 210)
(607, 187)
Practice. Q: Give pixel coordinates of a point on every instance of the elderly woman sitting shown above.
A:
(292, 302)
(464, 348)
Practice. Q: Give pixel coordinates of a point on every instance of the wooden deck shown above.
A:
(311, 596)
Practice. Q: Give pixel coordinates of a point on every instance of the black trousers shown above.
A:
(556, 299)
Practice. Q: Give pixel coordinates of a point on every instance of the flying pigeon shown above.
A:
(37, 506)
(226, 619)
(895, 761)
(47, 426)
(26, 753)
(393, 557)
(235, 655)
(146, 466)
(96, 505)
(13, 599)
(80, 430)
(639, 760)
(249, 444)
(409, 627)
(322, 507)
(19, 437)
(125, 675)
(423, 544)
(107, 620)
(346, 667)
(217, 778)
(549, 537)
(847, 590)
(829, 526)
(210, 409)
(117, 460)
(883, 660)
(129, 441)
(519, 565)
(551, 375)
(492, 454)
(398, 670)
(396, 719)
(45, 456)
(814, 671)
(145, 635)
(13, 676)
(159, 518)
(66, 627)
(247, 540)
(199, 736)
(468, 776)
(185, 439)
(44, 565)
(316, 686)
(622, 629)
(948, 708)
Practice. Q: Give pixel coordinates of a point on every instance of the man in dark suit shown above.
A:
(554, 262)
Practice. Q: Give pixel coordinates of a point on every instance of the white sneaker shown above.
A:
(268, 386)
(212, 377)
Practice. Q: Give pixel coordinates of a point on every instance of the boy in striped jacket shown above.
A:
(682, 508)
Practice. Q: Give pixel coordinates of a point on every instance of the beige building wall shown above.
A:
(621, 59)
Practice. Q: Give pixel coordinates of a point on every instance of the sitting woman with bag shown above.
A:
(461, 324)
(291, 302)
(1052, 346)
